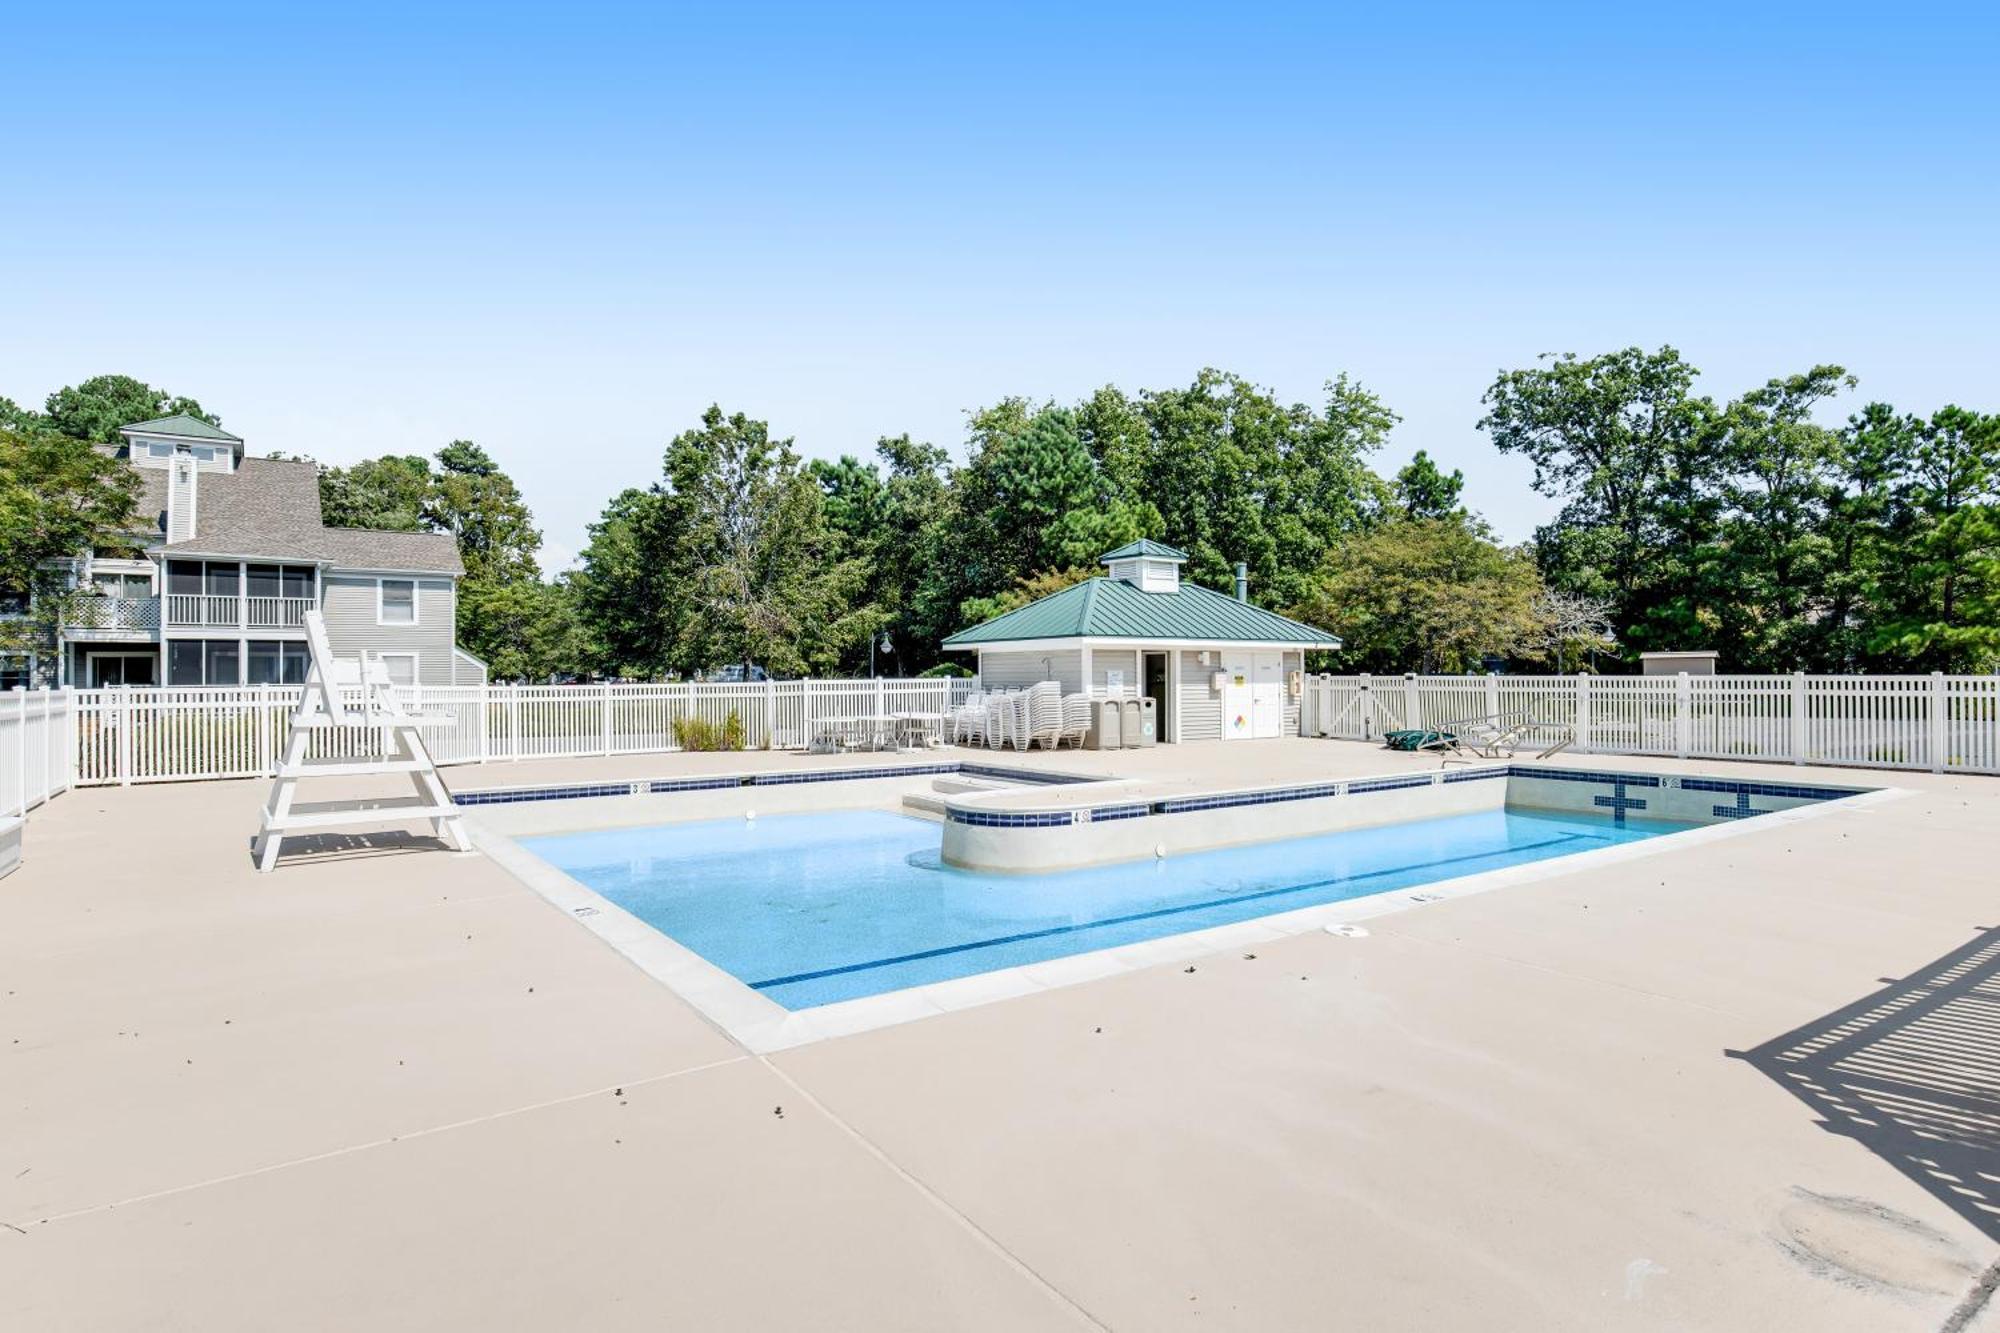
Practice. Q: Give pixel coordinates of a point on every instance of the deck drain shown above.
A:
(1427, 897)
(1347, 932)
(585, 911)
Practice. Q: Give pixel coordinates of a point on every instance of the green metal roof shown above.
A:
(180, 423)
(1113, 609)
(1145, 546)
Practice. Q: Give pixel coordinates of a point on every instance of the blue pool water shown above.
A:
(809, 909)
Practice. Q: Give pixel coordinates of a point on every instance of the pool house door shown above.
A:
(1267, 696)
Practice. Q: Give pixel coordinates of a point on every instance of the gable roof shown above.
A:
(181, 424)
(269, 509)
(1114, 609)
(1144, 547)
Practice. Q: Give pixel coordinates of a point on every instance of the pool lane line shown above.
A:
(1164, 912)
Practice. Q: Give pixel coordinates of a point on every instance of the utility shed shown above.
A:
(1215, 666)
(1698, 663)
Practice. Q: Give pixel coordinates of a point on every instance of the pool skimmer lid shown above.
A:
(1347, 932)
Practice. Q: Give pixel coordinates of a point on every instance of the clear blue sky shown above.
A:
(562, 232)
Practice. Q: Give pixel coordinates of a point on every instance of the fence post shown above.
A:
(770, 713)
(1799, 738)
(605, 697)
(1683, 713)
(125, 735)
(48, 757)
(21, 744)
(1581, 744)
(514, 722)
(1938, 727)
(485, 710)
(1413, 718)
(1492, 693)
(1367, 686)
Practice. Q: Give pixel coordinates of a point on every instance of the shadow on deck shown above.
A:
(1912, 1072)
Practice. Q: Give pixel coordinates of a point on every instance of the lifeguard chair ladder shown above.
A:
(322, 709)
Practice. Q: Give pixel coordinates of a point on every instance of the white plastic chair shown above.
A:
(999, 720)
(1075, 719)
(968, 719)
(1045, 716)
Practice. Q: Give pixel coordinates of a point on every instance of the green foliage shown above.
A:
(729, 558)
(1752, 528)
(523, 630)
(59, 498)
(698, 733)
(1425, 594)
(389, 493)
(949, 670)
(94, 409)
(1424, 491)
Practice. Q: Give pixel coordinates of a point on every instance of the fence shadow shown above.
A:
(1912, 1073)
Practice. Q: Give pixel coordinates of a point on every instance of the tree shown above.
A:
(1623, 441)
(1030, 589)
(479, 505)
(387, 493)
(770, 588)
(1777, 470)
(1428, 594)
(1424, 491)
(94, 409)
(527, 630)
(1941, 598)
(1568, 622)
(59, 499)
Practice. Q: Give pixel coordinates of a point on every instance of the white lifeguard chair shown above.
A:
(403, 751)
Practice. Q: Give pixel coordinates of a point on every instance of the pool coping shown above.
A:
(762, 1026)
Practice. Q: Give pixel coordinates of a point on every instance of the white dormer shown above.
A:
(158, 443)
(1147, 565)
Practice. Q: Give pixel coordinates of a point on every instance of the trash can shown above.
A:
(1129, 734)
(1149, 721)
(1104, 728)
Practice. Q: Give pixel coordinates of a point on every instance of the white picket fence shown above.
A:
(1935, 722)
(36, 750)
(130, 735)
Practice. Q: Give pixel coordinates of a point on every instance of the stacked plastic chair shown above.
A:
(1045, 715)
(1075, 718)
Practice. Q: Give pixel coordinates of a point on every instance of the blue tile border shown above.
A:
(1618, 802)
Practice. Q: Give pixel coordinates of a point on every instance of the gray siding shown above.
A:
(1014, 671)
(1200, 707)
(1115, 659)
(350, 607)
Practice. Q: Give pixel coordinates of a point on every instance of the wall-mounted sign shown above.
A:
(1114, 681)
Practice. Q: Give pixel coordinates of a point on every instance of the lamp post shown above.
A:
(875, 640)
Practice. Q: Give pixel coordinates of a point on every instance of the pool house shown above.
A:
(1216, 667)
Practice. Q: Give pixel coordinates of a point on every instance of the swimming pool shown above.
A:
(810, 909)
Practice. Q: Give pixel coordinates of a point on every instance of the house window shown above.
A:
(160, 449)
(184, 662)
(123, 585)
(204, 662)
(17, 671)
(298, 581)
(13, 601)
(402, 667)
(398, 604)
(221, 662)
(221, 580)
(277, 662)
(184, 578)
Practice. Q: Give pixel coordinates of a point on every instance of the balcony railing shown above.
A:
(118, 613)
(208, 611)
(278, 612)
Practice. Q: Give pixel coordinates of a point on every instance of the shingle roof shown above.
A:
(1145, 546)
(1113, 609)
(270, 508)
(180, 423)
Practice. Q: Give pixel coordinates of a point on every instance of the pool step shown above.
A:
(931, 803)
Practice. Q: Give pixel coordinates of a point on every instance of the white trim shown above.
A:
(416, 614)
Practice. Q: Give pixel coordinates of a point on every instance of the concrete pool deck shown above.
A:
(390, 1088)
